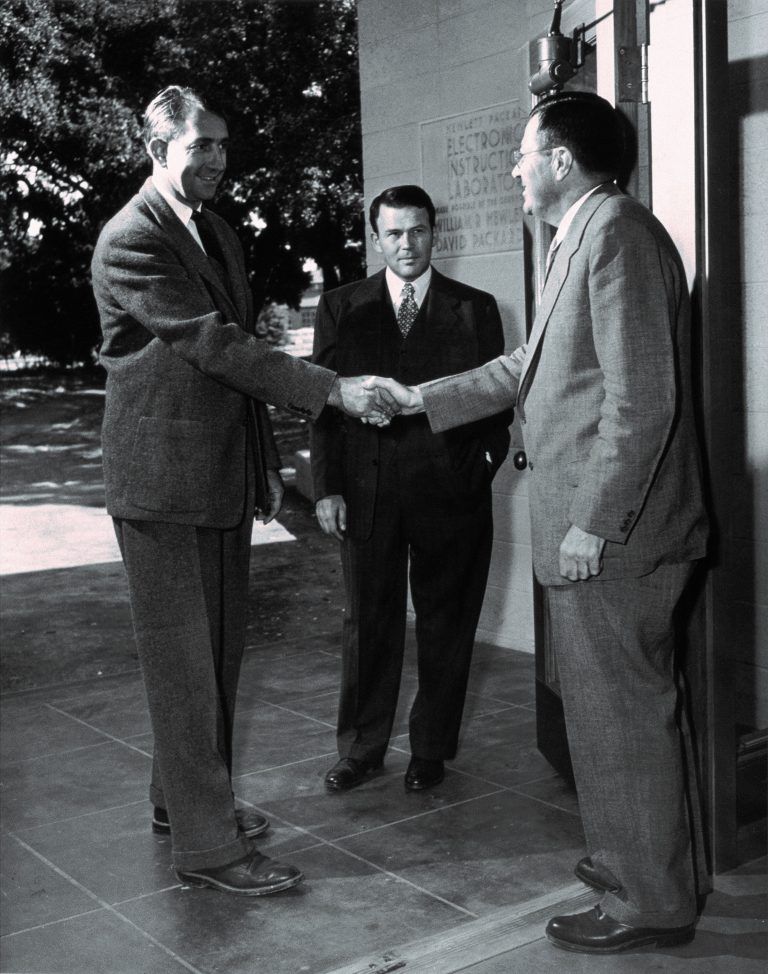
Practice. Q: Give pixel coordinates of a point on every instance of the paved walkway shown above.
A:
(461, 878)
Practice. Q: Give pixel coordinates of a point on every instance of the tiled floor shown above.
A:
(730, 939)
(88, 889)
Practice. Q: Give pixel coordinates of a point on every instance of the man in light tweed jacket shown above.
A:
(188, 458)
(604, 395)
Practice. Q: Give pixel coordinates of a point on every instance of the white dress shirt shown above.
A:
(183, 211)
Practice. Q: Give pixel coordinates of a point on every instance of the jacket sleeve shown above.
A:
(327, 433)
(635, 292)
(138, 276)
(469, 396)
(493, 431)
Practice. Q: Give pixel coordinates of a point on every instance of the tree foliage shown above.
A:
(75, 76)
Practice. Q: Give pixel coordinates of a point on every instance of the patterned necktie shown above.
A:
(406, 313)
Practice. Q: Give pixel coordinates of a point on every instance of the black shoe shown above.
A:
(254, 875)
(250, 823)
(594, 932)
(423, 773)
(587, 873)
(350, 772)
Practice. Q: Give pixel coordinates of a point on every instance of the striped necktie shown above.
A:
(212, 247)
(208, 237)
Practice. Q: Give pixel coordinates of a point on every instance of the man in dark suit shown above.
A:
(617, 515)
(402, 494)
(188, 458)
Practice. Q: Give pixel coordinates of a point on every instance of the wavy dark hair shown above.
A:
(398, 196)
(166, 114)
(586, 124)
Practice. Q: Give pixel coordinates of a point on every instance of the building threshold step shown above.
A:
(476, 940)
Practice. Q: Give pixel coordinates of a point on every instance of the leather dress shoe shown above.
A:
(349, 772)
(594, 932)
(587, 873)
(253, 875)
(250, 823)
(423, 773)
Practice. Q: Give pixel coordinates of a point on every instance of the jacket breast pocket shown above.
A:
(170, 466)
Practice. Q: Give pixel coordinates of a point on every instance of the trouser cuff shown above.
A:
(627, 913)
(212, 858)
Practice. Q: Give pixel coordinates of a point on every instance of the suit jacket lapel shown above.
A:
(235, 278)
(369, 316)
(554, 284)
(368, 305)
(193, 255)
(443, 306)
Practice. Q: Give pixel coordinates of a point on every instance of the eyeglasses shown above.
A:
(518, 156)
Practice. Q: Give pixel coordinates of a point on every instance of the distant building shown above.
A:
(305, 316)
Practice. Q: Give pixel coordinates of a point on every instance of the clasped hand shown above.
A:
(374, 399)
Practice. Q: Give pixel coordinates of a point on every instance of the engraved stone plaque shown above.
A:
(466, 167)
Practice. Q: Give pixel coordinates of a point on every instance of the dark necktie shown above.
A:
(408, 310)
(210, 243)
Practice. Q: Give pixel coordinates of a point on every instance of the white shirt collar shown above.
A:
(570, 214)
(420, 287)
(182, 210)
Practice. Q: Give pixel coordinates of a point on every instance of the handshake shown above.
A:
(373, 399)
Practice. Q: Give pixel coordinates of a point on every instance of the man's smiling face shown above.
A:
(196, 158)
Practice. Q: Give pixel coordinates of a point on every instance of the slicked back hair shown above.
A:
(586, 124)
(399, 196)
(166, 114)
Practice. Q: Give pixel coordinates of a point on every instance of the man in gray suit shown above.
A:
(189, 458)
(603, 391)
